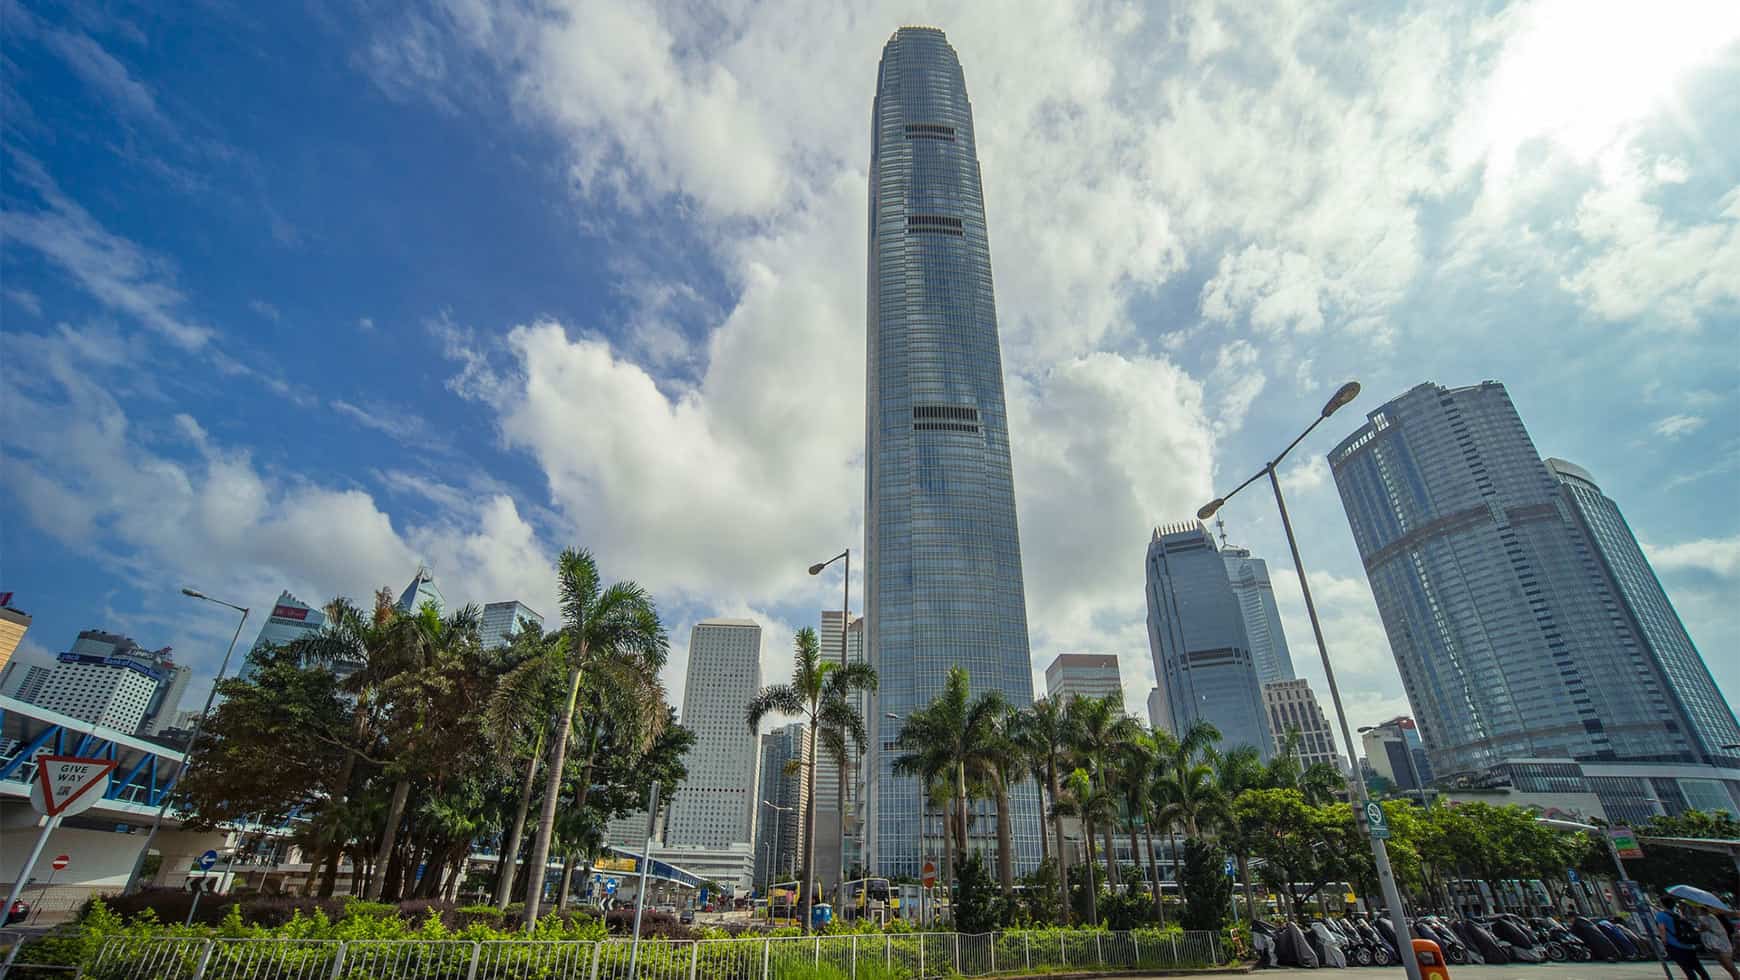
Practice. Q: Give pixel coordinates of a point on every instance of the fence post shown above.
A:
(338, 961)
(1062, 950)
(476, 951)
(1026, 952)
(1099, 950)
(597, 948)
(921, 956)
(957, 952)
(204, 958)
(694, 957)
(1175, 949)
(766, 947)
(1136, 942)
(818, 956)
(888, 951)
(854, 973)
(993, 952)
(1214, 944)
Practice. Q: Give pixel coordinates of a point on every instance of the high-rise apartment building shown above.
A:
(944, 578)
(1249, 578)
(1293, 707)
(14, 623)
(715, 805)
(1196, 633)
(1083, 675)
(780, 833)
(501, 620)
(422, 591)
(107, 679)
(1525, 622)
(24, 677)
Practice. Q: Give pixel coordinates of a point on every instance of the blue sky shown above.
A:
(299, 296)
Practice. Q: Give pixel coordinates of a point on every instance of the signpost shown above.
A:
(57, 865)
(205, 862)
(1376, 820)
(928, 878)
(64, 785)
(1231, 871)
(1625, 842)
(652, 822)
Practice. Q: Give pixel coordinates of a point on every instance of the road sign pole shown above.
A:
(30, 862)
(42, 896)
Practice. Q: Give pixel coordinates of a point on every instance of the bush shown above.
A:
(1207, 889)
(978, 907)
(653, 925)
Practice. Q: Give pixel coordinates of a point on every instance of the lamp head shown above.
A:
(1207, 510)
(1346, 393)
(193, 593)
(816, 569)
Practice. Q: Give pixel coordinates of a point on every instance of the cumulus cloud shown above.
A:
(1718, 556)
(1675, 426)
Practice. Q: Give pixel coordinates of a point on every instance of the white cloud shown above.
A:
(1648, 267)
(1675, 426)
(1718, 556)
(265, 309)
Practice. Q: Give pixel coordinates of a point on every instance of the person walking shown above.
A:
(1713, 932)
(1680, 935)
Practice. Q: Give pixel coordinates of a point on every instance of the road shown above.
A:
(1515, 971)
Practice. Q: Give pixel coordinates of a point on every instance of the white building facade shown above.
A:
(715, 805)
(1083, 675)
(1292, 706)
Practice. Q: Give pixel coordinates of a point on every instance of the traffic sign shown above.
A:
(1376, 820)
(1571, 875)
(610, 886)
(1625, 842)
(67, 784)
(929, 877)
(60, 862)
(207, 859)
(1229, 867)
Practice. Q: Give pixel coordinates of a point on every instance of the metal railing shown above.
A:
(917, 955)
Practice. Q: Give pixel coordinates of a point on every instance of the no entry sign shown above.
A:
(60, 862)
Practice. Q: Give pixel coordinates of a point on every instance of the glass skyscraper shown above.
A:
(944, 581)
(1524, 620)
(1249, 578)
(503, 620)
(1196, 633)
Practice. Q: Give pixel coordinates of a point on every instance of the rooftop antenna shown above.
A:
(1220, 523)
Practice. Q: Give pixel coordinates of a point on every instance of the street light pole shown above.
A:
(840, 792)
(192, 739)
(1380, 854)
(1574, 826)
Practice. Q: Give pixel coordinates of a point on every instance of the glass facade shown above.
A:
(501, 620)
(1249, 578)
(1652, 614)
(1196, 633)
(1509, 636)
(715, 805)
(944, 585)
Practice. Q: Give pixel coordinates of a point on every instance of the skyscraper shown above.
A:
(714, 806)
(831, 793)
(421, 591)
(1196, 633)
(1293, 707)
(944, 582)
(1249, 578)
(501, 620)
(14, 624)
(780, 834)
(108, 679)
(1502, 588)
(1086, 675)
(290, 620)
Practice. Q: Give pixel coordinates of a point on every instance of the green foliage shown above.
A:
(1040, 899)
(1664, 866)
(1207, 889)
(978, 908)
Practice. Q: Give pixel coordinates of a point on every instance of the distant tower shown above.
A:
(420, 592)
(1196, 633)
(502, 621)
(1087, 675)
(714, 806)
(944, 584)
(1249, 578)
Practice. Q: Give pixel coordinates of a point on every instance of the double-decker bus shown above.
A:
(863, 897)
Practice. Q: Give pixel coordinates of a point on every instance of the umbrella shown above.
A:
(1698, 896)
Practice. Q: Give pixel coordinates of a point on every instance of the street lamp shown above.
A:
(1380, 854)
(774, 847)
(841, 793)
(192, 738)
(1407, 750)
(1574, 826)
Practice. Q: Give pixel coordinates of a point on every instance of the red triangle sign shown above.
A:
(67, 780)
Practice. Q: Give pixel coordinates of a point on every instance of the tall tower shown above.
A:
(944, 582)
(1495, 579)
(1249, 578)
(715, 805)
(1196, 633)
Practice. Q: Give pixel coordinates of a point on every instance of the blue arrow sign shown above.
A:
(207, 859)
(610, 885)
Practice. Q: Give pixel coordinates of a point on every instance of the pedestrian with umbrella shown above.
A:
(1680, 935)
(1709, 914)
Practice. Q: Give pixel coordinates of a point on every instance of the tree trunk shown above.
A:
(359, 725)
(1057, 828)
(1044, 838)
(1154, 872)
(1093, 891)
(948, 853)
(1245, 876)
(567, 889)
(509, 860)
(552, 790)
(1112, 880)
(389, 835)
(1005, 842)
(807, 887)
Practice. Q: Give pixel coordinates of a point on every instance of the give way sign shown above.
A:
(66, 784)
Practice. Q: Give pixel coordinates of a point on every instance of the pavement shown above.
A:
(1514, 971)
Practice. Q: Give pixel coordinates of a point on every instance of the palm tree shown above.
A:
(1082, 798)
(520, 714)
(1045, 737)
(1235, 772)
(1097, 728)
(824, 701)
(614, 638)
(958, 734)
(1007, 766)
(1134, 777)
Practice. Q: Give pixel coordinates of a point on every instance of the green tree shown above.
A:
(1097, 728)
(1083, 798)
(614, 637)
(959, 735)
(1207, 889)
(1043, 734)
(977, 907)
(823, 701)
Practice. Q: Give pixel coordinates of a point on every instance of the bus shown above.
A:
(784, 902)
(866, 898)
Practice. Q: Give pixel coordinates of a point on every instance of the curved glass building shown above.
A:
(944, 583)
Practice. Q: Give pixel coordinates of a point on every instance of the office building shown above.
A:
(1083, 675)
(107, 679)
(714, 805)
(831, 793)
(290, 620)
(14, 623)
(1392, 756)
(1158, 717)
(1293, 707)
(24, 677)
(501, 620)
(944, 585)
(422, 591)
(1525, 623)
(780, 833)
(1249, 578)
(1196, 634)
